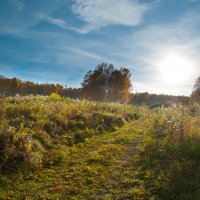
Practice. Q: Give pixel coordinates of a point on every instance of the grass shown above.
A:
(87, 150)
(35, 131)
(170, 156)
(93, 170)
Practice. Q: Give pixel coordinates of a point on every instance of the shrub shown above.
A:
(17, 148)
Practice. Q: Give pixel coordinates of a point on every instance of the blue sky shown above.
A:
(58, 41)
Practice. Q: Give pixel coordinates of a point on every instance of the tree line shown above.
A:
(104, 83)
(14, 86)
(160, 99)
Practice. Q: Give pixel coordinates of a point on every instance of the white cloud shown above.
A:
(21, 15)
(85, 53)
(101, 13)
(63, 49)
(58, 22)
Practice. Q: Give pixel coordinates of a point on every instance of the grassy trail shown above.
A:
(100, 168)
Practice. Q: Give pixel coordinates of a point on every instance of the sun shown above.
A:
(174, 68)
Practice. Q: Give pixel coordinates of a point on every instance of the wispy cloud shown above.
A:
(20, 15)
(101, 13)
(36, 45)
(63, 50)
(58, 22)
(86, 53)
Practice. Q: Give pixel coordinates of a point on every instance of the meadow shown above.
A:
(58, 148)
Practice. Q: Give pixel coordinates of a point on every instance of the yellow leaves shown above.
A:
(55, 96)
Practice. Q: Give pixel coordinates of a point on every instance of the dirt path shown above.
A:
(103, 167)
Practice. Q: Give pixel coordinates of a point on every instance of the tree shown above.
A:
(14, 86)
(196, 91)
(107, 84)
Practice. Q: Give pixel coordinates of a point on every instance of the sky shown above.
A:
(59, 41)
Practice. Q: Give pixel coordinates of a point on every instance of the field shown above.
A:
(58, 148)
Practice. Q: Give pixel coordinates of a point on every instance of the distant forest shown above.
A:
(14, 87)
(153, 99)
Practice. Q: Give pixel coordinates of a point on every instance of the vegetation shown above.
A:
(35, 131)
(58, 148)
(158, 100)
(107, 84)
(104, 83)
(53, 147)
(169, 157)
(196, 92)
(14, 86)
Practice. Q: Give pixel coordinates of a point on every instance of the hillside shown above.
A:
(58, 148)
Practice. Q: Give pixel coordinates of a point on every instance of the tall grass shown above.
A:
(170, 157)
(155, 158)
(35, 131)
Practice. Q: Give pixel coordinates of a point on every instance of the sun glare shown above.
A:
(175, 68)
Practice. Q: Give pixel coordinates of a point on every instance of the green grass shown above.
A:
(99, 168)
(170, 156)
(65, 149)
(36, 131)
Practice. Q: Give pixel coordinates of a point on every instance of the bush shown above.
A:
(18, 148)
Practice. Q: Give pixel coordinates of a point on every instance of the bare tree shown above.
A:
(196, 91)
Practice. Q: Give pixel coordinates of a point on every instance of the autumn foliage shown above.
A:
(17, 87)
(106, 83)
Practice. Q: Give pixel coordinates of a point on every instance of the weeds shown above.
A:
(36, 131)
(170, 158)
(57, 148)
